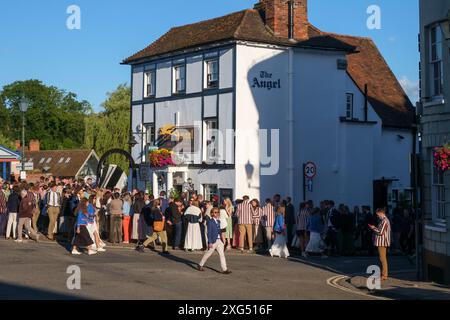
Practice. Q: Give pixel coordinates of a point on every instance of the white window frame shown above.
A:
(349, 111)
(438, 190)
(211, 78)
(179, 78)
(146, 143)
(150, 83)
(436, 61)
(207, 194)
(152, 133)
(211, 151)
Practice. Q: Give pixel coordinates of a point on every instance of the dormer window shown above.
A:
(212, 73)
(179, 78)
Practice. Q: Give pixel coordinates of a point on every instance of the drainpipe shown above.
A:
(291, 20)
(291, 122)
(366, 103)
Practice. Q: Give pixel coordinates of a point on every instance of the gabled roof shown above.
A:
(366, 65)
(385, 93)
(60, 163)
(244, 25)
(6, 153)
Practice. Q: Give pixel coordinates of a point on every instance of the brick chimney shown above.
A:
(35, 146)
(286, 18)
(17, 144)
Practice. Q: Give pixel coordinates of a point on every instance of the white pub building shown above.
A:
(256, 94)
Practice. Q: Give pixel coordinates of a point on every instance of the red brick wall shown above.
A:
(276, 13)
(35, 146)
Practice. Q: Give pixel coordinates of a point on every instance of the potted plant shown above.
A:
(442, 157)
(161, 158)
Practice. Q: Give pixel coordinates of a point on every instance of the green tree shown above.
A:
(110, 128)
(55, 117)
(6, 142)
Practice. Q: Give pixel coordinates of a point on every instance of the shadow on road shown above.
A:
(402, 293)
(187, 262)
(16, 292)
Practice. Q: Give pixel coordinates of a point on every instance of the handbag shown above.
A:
(158, 226)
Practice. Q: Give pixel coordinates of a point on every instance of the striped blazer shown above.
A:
(302, 219)
(2, 202)
(244, 213)
(268, 216)
(256, 215)
(382, 236)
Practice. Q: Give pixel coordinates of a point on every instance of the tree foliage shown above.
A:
(110, 128)
(6, 142)
(55, 117)
(60, 121)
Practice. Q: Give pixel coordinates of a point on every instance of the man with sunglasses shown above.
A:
(214, 242)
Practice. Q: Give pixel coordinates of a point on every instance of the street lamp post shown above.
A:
(132, 143)
(24, 105)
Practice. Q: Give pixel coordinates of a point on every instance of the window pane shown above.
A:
(433, 53)
(433, 35)
(438, 34)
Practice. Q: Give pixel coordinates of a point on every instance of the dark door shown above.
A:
(380, 194)
(225, 193)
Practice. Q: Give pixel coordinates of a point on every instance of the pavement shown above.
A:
(39, 271)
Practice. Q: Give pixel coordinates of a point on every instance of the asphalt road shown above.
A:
(38, 271)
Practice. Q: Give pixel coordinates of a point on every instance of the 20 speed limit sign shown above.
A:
(310, 170)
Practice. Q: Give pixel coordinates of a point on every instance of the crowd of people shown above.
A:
(85, 216)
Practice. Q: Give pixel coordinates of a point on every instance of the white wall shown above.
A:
(357, 169)
(226, 69)
(226, 117)
(194, 76)
(149, 113)
(319, 100)
(138, 83)
(358, 103)
(224, 179)
(136, 120)
(250, 104)
(393, 158)
(164, 80)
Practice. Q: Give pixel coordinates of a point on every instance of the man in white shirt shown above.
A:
(214, 242)
(53, 210)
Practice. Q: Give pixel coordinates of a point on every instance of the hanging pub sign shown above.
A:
(265, 80)
(181, 137)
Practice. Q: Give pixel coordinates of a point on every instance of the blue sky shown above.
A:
(35, 43)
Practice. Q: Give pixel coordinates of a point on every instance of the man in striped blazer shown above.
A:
(382, 240)
(268, 221)
(245, 222)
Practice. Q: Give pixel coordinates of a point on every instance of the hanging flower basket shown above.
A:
(161, 158)
(442, 157)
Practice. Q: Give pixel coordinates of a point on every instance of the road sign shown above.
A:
(29, 166)
(310, 170)
(23, 175)
(310, 185)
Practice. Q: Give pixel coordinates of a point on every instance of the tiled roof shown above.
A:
(60, 163)
(365, 63)
(6, 153)
(244, 25)
(386, 95)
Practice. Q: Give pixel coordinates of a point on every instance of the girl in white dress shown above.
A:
(279, 247)
(193, 215)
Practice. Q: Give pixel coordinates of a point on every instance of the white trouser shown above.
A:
(220, 249)
(12, 224)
